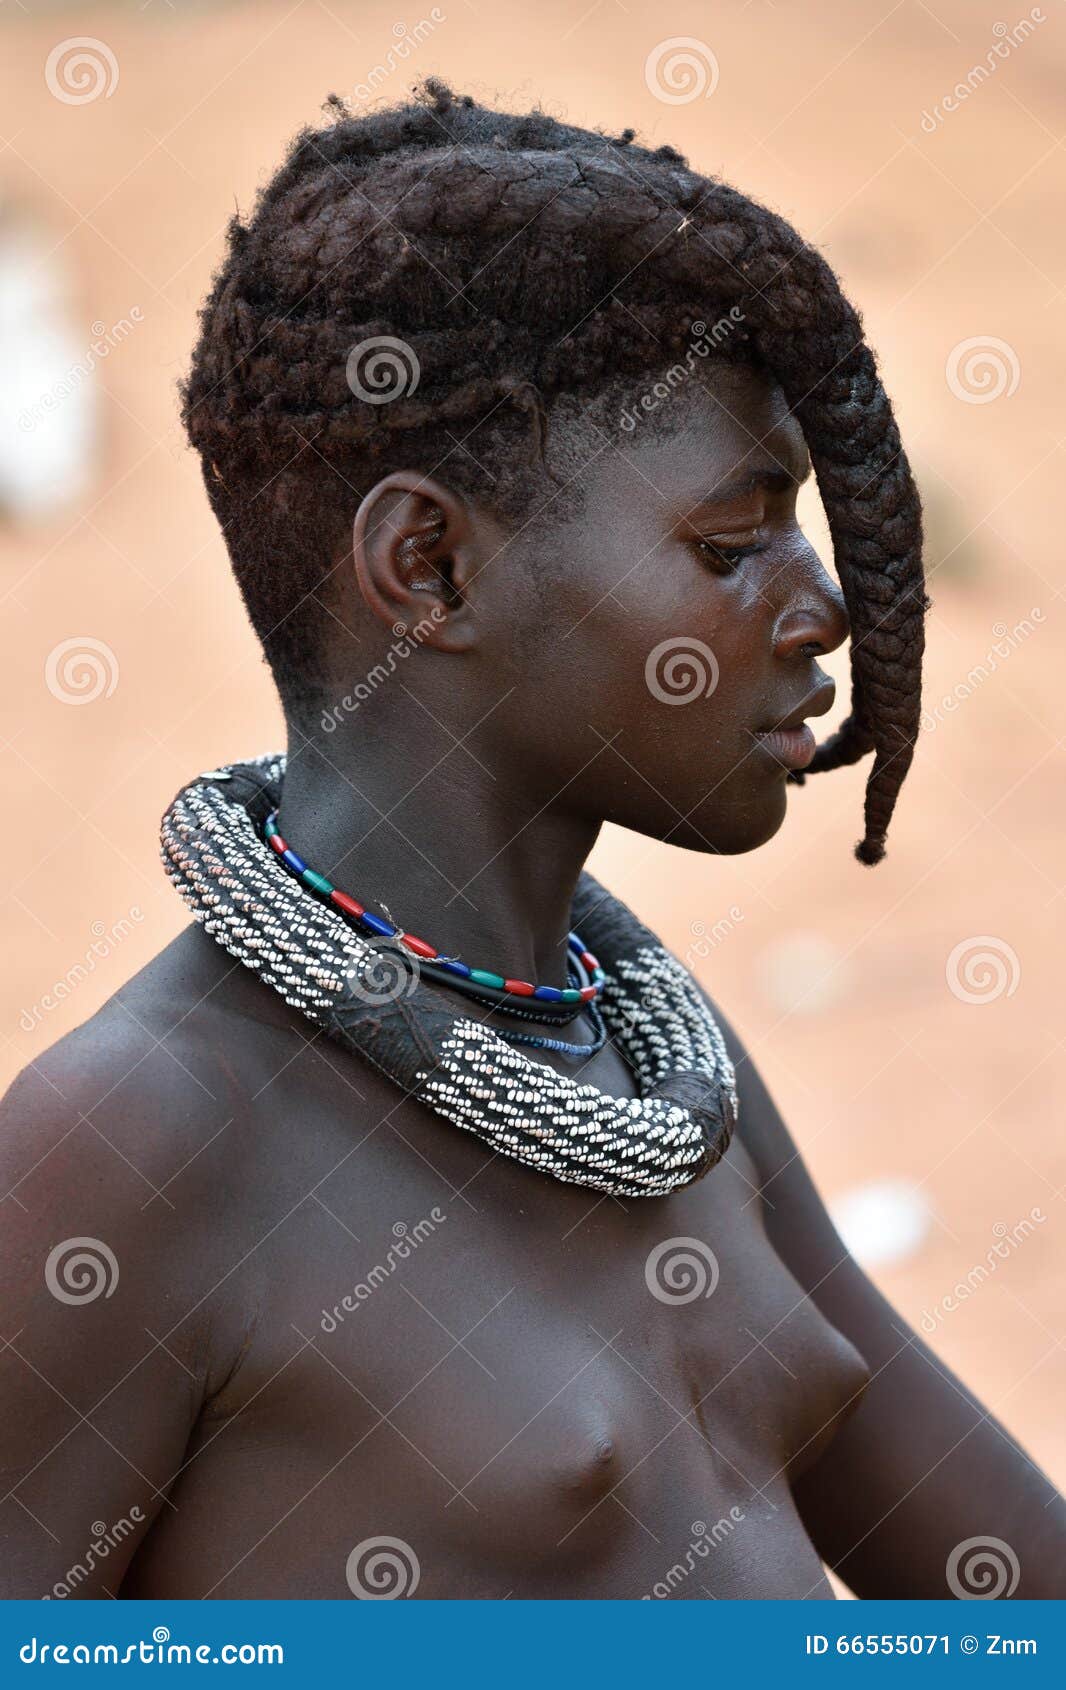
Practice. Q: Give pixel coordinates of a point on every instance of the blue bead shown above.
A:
(548, 994)
(377, 925)
(453, 966)
(293, 861)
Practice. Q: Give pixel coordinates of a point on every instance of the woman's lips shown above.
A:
(793, 748)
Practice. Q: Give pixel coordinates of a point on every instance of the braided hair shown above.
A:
(490, 262)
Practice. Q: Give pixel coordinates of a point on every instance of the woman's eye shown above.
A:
(716, 551)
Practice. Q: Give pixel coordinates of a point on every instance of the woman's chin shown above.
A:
(722, 830)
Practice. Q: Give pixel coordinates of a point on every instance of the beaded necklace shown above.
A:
(301, 945)
(553, 1003)
(380, 927)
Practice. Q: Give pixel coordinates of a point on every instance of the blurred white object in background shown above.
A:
(803, 973)
(883, 1222)
(48, 398)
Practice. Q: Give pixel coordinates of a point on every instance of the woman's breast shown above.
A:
(533, 1412)
(584, 1468)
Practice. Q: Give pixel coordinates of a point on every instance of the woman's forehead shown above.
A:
(722, 436)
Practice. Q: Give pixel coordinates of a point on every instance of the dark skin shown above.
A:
(512, 1402)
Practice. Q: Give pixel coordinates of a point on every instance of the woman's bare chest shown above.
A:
(534, 1389)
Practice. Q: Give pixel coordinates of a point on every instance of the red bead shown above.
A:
(348, 905)
(588, 993)
(419, 946)
(521, 988)
(278, 843)
(589, 961)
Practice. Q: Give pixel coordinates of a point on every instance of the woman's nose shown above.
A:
(814, 621)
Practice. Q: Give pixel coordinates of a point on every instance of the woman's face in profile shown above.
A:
(659, 634)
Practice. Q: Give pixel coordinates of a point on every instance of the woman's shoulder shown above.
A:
(148, 1079)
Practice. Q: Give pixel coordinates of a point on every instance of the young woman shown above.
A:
(424, 1253)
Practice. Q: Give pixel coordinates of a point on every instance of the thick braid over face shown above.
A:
(648, 1146)
(516, 258)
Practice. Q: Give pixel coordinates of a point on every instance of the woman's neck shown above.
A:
(462, 858)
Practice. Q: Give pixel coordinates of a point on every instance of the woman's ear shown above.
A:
(413, 546)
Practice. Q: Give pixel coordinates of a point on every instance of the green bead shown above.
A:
(481, 978)
(570, 996)
(270, 827)
(317, 882)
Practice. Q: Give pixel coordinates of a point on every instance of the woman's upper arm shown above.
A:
(921, 1467)
(98, 1388)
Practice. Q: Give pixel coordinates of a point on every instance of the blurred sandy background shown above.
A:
(924, 1084)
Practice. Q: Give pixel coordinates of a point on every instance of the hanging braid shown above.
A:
(519, 258)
